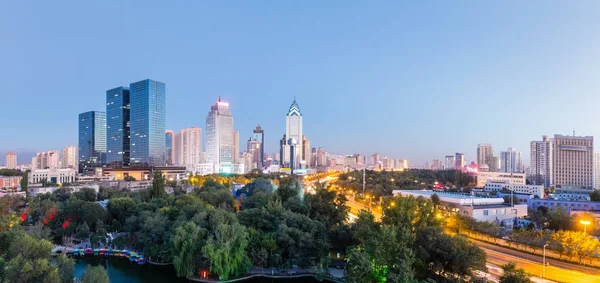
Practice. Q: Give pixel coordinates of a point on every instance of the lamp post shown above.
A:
(585, 223)
(544, 262)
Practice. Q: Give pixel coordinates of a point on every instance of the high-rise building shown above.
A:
(494, 166)
(118, 126)
(449, 163)
(511, 161)
(189, 144)
(596, 170)
(69, 157)
(305, 151)
(148, 123)
(169, 139)
(376, 159)
(484, 154)
(459, 161)
(259, 134)
(219, 138)
(253, 148)
(236, 147)
(11, 160)
(92, 140)
(53, 159)
(572, 160)
(402, 164)
(321, 157)
(293, 131)
(540, 170)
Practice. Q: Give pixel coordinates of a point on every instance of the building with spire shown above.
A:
(220, 138)
(293, 132)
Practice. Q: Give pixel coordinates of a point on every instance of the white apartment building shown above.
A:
(512, 178)
(69, 157)
(52, 176)
(204, 169)
(188, 148)
(541, 162)
(11, 160)
(511, 161)
(484, 154)
(573, 161)
(449, 163)
(537, 190)
(220, 138)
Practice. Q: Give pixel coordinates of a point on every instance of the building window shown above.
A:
(486, 212)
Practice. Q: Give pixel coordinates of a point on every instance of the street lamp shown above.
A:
(585, 224)
(544, 262)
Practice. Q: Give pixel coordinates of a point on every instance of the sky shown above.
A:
(415, 80)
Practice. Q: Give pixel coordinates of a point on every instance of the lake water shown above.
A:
(123, 271)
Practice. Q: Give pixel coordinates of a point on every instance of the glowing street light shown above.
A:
(585, 223)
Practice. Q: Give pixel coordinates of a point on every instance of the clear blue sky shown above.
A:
(414, 80)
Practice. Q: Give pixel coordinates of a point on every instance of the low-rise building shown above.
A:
(490, 209)
(145, 173)
(537, 190)
(204, 169)
(10, 182)
(512, 178)
(570, 205)
(52, 176)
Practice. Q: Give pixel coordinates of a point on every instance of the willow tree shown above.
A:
(225, 250)
(187, 241)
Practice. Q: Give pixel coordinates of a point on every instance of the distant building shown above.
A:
(305, 151)
(596, 170)
(10, 182)
(236, 147)
(293, 130)
(141, 173)
(52, 176)
(53, 159)
(573, 161)
(204, 169)
(69, 157)
(169, 140)
(45, 160)
(541, 159)
(449, 162)
(92, 141)
(459, 161)
(148, 123)
(118, 141)
(511, 161)
(511, 178)
(259, 135)
(376, 159)
(484, 154)
(487, 209)
(536, 190)
(11, 160)
(220, 138)
(494, 165)
(189, 148)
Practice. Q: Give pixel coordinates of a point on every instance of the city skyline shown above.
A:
(385, 67)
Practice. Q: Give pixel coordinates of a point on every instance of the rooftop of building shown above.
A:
(429, 193)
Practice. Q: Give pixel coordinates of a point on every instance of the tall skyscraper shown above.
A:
(460, 161)
(69, 157)
(190, 148)
(219, 137)
(253, 147)
(92, 140)
(540, 169)
(306, 151)
(148, 123)
(118, 126)
(376, 159)
(236, 147)
(321, 157)
(169, 139)
(511, 161)
(259, 134)
(293, 130)
(484, 154)
(572, 160)
(11, 160)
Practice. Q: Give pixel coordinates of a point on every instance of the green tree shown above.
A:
(83, 231)
(28, 259)
(95, 274)
(595, 195)
(435, 199)
(326, 206)
(92, 213)
(225, 250)
(129, 178)
(66, 268)
(512, 274)
(86, 194)
(24, 182)
(188, 244)
(358, 267)
(158, 185)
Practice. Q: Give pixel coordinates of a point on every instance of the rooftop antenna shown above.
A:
(219, 98)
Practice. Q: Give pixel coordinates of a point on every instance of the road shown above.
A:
(356, 207)
(556, 270)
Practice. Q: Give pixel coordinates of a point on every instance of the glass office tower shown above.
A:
(169, 136)
(148, 123)
(117, 126)
(92, 140)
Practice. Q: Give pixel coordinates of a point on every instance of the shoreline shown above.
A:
(195, 279)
